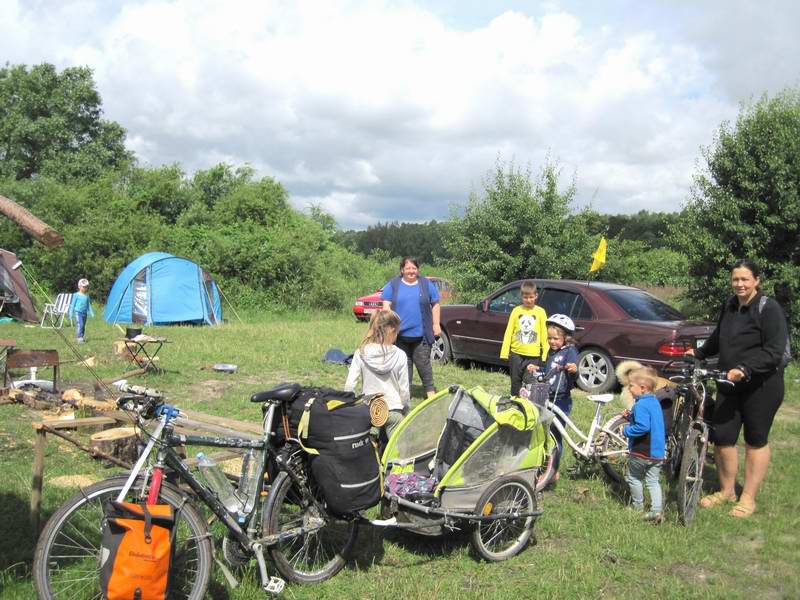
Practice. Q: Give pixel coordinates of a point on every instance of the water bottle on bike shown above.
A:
(213, 476)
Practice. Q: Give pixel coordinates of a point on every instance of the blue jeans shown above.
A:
(644, 473)
(80, 320)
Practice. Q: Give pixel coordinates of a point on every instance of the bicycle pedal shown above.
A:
(275, 585)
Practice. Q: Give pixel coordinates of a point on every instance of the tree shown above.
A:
(519, 227)
(745, 202)
(50, 124)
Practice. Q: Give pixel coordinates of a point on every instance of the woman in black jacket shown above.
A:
(750, 339)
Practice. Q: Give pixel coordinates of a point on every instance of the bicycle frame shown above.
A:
(587, 447)
(167, 457)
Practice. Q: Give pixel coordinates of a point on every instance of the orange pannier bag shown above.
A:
(136, 551)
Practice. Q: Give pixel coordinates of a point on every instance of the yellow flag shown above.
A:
(599, 255)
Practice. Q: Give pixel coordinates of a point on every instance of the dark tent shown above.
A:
(15, 299)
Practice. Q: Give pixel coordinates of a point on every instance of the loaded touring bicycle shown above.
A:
(461, 459)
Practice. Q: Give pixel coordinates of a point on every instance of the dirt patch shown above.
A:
(693, 574)
(207, 390)
(788, 413)
(232, 467)
(792, 445)
(72, 481)
(754, 541)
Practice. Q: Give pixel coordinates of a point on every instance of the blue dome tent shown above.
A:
(158, 289)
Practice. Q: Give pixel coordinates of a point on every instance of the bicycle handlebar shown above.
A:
(693, 367)
(148, 403)
(139, 390)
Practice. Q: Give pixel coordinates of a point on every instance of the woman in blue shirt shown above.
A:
(416, 300)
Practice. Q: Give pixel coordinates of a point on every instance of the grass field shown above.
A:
(588, 545)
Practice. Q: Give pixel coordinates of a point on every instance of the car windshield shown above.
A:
(644, 307)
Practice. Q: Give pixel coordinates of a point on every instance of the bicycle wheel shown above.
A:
(677, 440)
(67, 558)
(315, 556)
(548, 469)
(501, 539)
(613, 449)
(690, 477)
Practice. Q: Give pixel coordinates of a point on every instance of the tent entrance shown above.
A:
(208, 300)
(141, 298)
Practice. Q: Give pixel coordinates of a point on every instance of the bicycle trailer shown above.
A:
(467, 457)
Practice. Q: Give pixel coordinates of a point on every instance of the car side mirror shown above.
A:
(483, 305)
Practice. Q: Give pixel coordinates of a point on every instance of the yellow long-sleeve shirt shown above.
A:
(526, 333)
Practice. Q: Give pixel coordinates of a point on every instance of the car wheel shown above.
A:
(440, 351)
(595, 371)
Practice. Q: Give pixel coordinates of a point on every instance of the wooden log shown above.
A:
(120, 442)
(40, 230)
(87, 422)
(192, 427)
(84, 447)
(241, 426)
(127, 375)
(38, 478)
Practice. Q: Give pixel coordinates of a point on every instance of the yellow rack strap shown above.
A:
(302, 427)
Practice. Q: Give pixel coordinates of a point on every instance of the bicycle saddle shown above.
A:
(285, 392)
(601, 398)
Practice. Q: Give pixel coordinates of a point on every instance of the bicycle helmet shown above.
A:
(562, 321)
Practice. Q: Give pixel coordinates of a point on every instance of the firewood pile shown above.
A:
(58, 404)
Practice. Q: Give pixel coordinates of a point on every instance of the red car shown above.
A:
(366, 305)
(614, 322)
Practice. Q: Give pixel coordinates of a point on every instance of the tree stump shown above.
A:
(120, 442)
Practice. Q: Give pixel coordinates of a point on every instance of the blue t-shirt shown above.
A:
(408, 306)
(80, 304)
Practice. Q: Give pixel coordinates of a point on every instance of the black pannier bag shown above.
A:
(334, 427)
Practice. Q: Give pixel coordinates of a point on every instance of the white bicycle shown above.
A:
(604, 444)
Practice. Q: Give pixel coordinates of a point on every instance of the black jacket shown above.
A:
(747, 338)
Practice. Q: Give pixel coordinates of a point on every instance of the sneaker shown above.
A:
(654, 517)
(81, 340)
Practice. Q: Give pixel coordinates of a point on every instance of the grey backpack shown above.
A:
(787, 351)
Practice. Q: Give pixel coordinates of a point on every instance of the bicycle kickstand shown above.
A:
(272, 585)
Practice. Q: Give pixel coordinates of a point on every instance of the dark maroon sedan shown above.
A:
(615, 323)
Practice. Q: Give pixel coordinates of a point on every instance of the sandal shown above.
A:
(742, 510)
(715, 499)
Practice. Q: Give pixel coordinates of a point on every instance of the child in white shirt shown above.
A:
(382, 367)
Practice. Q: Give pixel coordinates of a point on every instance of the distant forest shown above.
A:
(425, 241)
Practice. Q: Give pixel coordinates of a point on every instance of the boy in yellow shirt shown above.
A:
(525, 340)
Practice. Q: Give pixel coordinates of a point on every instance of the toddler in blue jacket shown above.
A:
(80, 308)
(646, 443)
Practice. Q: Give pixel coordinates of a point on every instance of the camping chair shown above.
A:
(54, 313)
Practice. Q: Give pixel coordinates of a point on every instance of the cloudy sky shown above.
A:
(396, 110)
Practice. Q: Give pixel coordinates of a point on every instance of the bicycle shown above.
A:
(604, 444)
(290, 522)
(687, 443)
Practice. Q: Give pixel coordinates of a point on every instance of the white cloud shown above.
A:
(380, 110)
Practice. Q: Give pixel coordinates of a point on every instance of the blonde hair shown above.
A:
(568, 339)
(528, 287)
(379, 325)
(644, 376)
